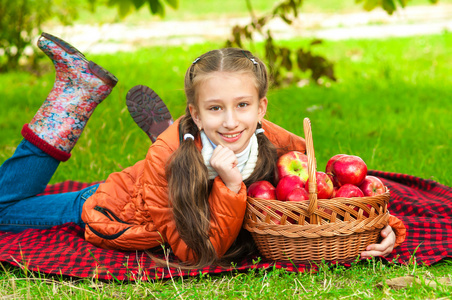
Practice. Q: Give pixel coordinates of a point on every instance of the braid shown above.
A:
(188, 193)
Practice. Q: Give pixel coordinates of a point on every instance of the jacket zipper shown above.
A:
(109, 214)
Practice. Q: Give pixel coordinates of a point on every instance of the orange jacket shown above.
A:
(131, 211)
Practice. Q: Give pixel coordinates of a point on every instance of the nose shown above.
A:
(230, 119)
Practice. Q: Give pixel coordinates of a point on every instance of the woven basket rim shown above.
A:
(387, 192)
(302, 207)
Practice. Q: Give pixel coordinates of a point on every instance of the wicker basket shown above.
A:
(337, 229)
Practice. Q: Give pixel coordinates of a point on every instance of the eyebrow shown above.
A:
(235, 99)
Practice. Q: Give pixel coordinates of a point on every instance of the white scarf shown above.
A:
(246, 159)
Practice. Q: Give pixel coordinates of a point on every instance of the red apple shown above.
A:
(329, 168)
(324, 185)
(298, 194)
(263, 190)
(329, 164)
(293, 163)
(349, 191)
(349, 169)
(287, 184)
(333, 180)
(372, 186)
(335, 189)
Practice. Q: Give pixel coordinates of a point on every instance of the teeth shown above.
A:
(231, 135)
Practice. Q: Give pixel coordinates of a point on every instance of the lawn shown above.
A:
(391, 106)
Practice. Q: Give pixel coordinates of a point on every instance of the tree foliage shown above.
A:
(388, 5)
(283, 61)
(156, 7)
(21, 21)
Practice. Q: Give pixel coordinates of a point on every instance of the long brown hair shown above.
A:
(189, 190)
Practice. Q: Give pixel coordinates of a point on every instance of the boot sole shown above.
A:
(97, 70)
(148, 110)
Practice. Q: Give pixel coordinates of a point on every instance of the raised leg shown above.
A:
(148, 110)
(80, 85)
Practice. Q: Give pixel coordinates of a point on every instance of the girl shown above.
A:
(189, 192)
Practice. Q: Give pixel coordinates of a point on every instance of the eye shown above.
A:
(214, 108)
(243, 104)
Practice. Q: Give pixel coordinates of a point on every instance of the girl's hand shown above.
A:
(384, 248)
(225, 162)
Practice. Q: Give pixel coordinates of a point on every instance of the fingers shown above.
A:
(385, 244)
(388, 240)
(386, 231)
(225, 162)
(384, 248)
(370, 254)
(223, 157)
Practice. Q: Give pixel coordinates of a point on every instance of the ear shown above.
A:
(195, 115)
(262, 110)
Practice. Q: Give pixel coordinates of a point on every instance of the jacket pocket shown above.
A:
(112, 217)
(108, 237)
(109, 214)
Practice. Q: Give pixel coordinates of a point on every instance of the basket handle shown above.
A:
(312, 167)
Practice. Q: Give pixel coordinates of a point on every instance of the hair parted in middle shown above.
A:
(189, 189)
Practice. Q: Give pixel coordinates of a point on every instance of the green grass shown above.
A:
(391, 106)
(365, 280)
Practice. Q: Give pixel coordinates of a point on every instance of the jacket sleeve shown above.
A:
(399, 229)
(111, 218)
(283, 140)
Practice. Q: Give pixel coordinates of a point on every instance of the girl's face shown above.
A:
(228, 109)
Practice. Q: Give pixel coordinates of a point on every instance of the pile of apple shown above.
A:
(345, 176)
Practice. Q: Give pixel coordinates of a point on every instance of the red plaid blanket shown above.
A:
(424, 206)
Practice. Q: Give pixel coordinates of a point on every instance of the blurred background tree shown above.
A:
(21, 20)
(156, 7)
(282, 61)
(388, 5)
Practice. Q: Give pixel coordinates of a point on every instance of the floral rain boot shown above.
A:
(80, 85)
(148, 110)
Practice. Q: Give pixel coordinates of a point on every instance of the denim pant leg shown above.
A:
(25, 175)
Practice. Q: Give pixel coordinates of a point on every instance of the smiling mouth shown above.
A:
(231, 135)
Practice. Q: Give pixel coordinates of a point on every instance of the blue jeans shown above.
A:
(25, 175)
